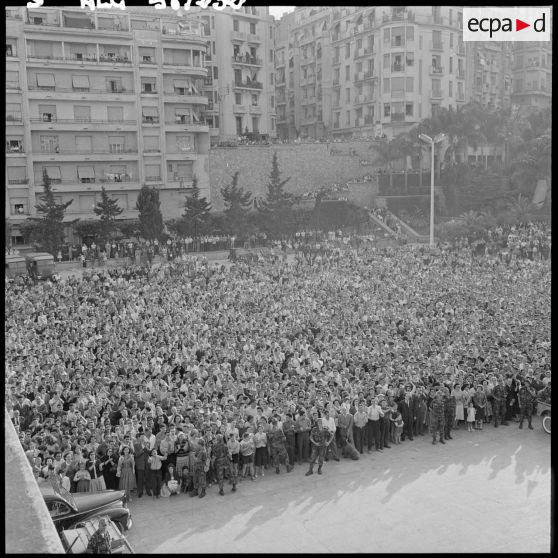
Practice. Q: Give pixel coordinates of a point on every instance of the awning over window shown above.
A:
(181, 83)
(86, 172)
(53, 172)
(80, 81)
(149, 111)
(45, 80)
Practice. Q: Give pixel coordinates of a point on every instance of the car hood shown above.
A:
(88, 501)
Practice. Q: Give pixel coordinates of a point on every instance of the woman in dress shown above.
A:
(459, 405)
(126, 472)
(82, 478)
(95, 468)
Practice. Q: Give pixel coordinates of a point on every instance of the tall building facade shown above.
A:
(240, 83)
(382, 70)
(489, 73)
(532, 74)
(104, 99)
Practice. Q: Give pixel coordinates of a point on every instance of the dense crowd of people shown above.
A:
(170, 379)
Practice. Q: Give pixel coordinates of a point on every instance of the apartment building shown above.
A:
(240, 85)
(104, 98)
(382, 69)
(489, 74)
(532, 74)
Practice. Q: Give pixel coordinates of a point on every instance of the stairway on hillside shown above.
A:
(407, 230)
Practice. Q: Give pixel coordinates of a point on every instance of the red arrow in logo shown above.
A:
(519, 25)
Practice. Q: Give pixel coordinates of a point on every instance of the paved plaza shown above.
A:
(483, 491)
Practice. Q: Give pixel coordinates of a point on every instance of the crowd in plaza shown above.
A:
(167, 380)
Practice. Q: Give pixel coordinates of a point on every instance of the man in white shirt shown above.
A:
(374, 414)
(328, 423)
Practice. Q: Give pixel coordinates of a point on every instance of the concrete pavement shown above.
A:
(483, 491)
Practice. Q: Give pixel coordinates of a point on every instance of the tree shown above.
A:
(49, 232)
(89, 229)
(276, 209)
(196, 211)
(107, 209)
(237, 207)
(150, 217)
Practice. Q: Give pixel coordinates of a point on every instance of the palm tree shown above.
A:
(520, 207)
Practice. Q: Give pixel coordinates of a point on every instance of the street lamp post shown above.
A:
(432, 141)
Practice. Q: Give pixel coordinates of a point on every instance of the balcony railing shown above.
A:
(397, 68)
(85, 60)
(436, 45)
(436, 70)
(13, 14)
(248, 60)
(369, 120)
(13, 85)
(398, 93)
(190, 123)
(14, 117)
(81, 152)
(15, 149)
(152, 178)
(150, 120)
(120, 91)
(460, 74)
(369, 74)
(240, 108)
(436, 94)
(18, 180)
(150, 92)
(81, 121)
(397, 116)
(398, 16)
(248, 85)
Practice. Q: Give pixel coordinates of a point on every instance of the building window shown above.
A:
(386, 85)
(47, 113)
(215, 72)
(252, 28)
(238, 98)
(271, 56)
(116, 144)
(451, 40)
(348, 95)
(397, 37)
(348, 118)
(409, 109)
(387, 109)
(236, 25)
(347, 50)
(82, 113)
(347, 73)
(256, 124)
(49, 144)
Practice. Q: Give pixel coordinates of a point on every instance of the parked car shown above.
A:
(75, 539)
(67, 509)
(40, 264)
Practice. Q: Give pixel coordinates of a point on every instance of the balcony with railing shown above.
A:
(397, 117)
(89, 59)
(460, 74)
(436, 45)
(251, 38)
(56, 120)
(13, 14)
(255, 109)
(247, 60)
(397, 68)
(14, 117)
(240, 109)
(152, 178)
(238, 36)
(18, 181)
(369, 74)
(436, 70)
(88, 90)
(369, 119)
(248, 84)
(14, 85)
(398, 93)
(436, 94)
(398, 16)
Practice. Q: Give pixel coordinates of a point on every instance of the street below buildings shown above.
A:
(486, 491)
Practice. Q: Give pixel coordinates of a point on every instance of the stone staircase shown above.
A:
(380, 228)
(410, 233)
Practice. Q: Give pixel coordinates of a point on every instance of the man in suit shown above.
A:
(141, 455)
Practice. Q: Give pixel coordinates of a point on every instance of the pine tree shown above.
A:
(196, 211)
(49, 233)
(237, 207)
(276, 209)
(107, 209)
(150, 217)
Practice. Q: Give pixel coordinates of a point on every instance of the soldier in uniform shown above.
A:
(200, 461)
(449, 413)
(221, 465)
(276, 439)
(499, 404)
(320, 439)
(100, 542)
(527, 396)
(437, 415)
